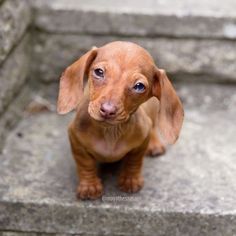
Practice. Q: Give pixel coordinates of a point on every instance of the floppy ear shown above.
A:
(171, 112)
(71, 82)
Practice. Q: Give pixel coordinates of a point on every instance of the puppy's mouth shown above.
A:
(118, 118)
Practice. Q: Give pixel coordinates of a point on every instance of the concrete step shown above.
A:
(185, 37)
(188, 191)
(183, 58)
(186, 18)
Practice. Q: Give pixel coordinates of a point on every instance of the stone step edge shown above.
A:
(23, 217)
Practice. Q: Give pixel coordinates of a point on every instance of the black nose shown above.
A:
(108, 110)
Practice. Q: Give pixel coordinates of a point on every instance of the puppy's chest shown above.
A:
(109, 151)
(113, 143)
(109, 146)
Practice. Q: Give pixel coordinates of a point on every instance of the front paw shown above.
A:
(155, 149)
(130, 184)
(89, 190)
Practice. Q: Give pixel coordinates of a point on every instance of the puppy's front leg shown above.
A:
(130, 178)
(90, 186)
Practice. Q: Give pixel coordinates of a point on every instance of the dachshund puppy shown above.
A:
(126, 102)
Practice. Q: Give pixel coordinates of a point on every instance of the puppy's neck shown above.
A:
(115, 132)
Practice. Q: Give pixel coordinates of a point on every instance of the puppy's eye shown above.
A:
(139, 87)
(98, 73)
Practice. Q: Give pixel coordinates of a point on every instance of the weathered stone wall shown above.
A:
(14, 48)
(13, 73)
(15, 18)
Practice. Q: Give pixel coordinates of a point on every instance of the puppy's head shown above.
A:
(121, 76)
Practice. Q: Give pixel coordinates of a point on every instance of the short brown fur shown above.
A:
(131, 132)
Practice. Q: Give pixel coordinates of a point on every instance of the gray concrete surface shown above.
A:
(53, 52)
(15, 233)
(188, 191)
(13, 72)
(200, 19)
(15, 17)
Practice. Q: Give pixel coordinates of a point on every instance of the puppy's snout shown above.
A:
(108, 110)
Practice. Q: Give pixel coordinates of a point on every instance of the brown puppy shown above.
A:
(126, 102)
